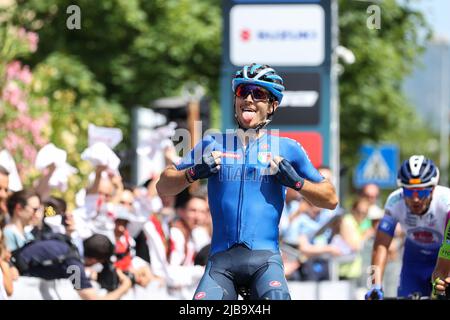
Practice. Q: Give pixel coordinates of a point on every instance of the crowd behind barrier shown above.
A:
(159, 245)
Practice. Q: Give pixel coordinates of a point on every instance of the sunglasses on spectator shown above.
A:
(126, 203)
(34, 209)
(421, 193)
(257, 93)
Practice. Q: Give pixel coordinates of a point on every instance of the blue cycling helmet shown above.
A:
(262, 75)
(418, 172)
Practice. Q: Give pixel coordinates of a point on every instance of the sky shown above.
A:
(437, 14)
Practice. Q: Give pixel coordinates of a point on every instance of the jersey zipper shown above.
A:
(241, 195)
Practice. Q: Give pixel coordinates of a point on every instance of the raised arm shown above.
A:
(172, 181)
(43, 188)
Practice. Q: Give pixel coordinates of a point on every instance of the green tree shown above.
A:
(75, 99)
(373, 107)
(138, 49)
(56, 102)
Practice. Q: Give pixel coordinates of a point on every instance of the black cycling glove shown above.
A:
(288, 177)
(203, 170)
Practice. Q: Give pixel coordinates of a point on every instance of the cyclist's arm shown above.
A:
(318, 190)
(321, 194)
(380, 253)
(442, 269)
(172, 181)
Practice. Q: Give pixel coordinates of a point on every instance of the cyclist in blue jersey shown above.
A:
(422, 208)
(248, 171)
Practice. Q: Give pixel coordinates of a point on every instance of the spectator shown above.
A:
(355, 230)
(131, 198)
(58, 219)
(314, 251)
(52, 259)
(157, 233)
(126, 259)
(96, 216)
(42, 187)
(22, 206)
(147, 197)
(202, 231)
(290, 210)
(181, 232)
(38, 224)
(171, 247)
(101, 192)
(6, 277)
(393, 266)
(372, 192)
(4, 183)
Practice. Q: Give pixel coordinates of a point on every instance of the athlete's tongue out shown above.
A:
(248, 115)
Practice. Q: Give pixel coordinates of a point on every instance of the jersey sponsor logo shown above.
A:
(424, 236)
(200, 295)
(232, 155)
(275, 283)
(264, 157)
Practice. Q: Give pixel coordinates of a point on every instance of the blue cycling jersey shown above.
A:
(245, 199)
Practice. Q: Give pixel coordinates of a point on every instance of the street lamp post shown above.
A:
(444, 127)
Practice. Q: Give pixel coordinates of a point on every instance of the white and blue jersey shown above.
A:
(245, 200)
(424, 236)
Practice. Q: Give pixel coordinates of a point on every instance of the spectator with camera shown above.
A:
(55, 257)
(126, 260)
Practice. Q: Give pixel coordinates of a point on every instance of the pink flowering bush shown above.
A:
(24, 115)
(55, 102)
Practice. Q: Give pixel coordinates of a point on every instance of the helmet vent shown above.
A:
(415, 163)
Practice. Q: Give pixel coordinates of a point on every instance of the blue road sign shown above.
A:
(378, 165)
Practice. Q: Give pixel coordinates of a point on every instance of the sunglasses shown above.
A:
(126, 203)
(34, 210)
(421, 193)
(257, 93)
